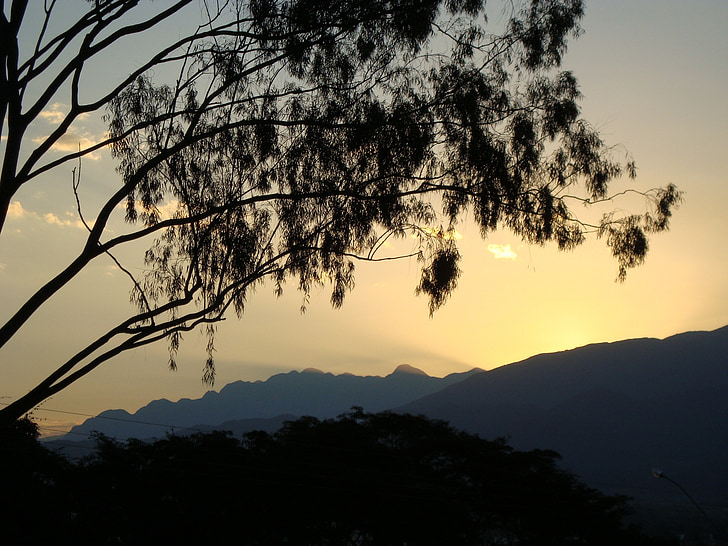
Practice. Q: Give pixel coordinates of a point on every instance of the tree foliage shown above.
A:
(294, 138)
(358, 479)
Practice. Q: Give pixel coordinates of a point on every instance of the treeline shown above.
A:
(358, 479)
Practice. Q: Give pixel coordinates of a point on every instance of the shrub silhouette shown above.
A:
(358, 479)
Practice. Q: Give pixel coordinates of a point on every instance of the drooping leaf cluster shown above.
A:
(303, 134)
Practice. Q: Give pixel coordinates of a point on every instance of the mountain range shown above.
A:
(310, 392)
(614, 411)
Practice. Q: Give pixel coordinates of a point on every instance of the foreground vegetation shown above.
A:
(358, 479)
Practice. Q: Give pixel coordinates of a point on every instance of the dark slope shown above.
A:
(613, 410)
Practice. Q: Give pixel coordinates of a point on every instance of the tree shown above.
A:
(292, 139)
(358, 479)
(34, 477)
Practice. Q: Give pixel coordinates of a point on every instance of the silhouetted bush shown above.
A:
(358, 479)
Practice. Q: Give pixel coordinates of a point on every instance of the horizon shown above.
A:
(60, 429)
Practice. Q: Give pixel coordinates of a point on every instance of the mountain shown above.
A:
(614, 411)
(310, 392)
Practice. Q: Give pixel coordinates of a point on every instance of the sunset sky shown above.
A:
(654, 74)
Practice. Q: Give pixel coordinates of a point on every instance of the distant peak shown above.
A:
(406, 368)
(312, 370)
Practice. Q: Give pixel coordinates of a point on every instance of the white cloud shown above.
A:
(71, 142)
(69, 221)
(72, 139)
(16, 211)
(55, 114)
(502, 251)
(166, 210)
(169, 209)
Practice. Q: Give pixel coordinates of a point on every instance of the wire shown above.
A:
(163, 425)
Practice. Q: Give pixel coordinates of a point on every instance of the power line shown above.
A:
(108, 418)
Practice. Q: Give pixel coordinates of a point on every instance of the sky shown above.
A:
(655, 80)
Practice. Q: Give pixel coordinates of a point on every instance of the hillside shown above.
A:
(310, 392)
(614, 411)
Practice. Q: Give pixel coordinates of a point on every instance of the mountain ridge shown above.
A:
(308, 392)
(612, 410)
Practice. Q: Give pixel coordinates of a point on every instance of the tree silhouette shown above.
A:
(358, 479)
(34, 486)
(295, 138)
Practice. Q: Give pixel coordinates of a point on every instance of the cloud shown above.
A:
(502, 251)
(71, 142)
(166, 210)
(72, 139)
(69, 221)
(55, 114)
(16, 211)
(111, 270)
(169, 209)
